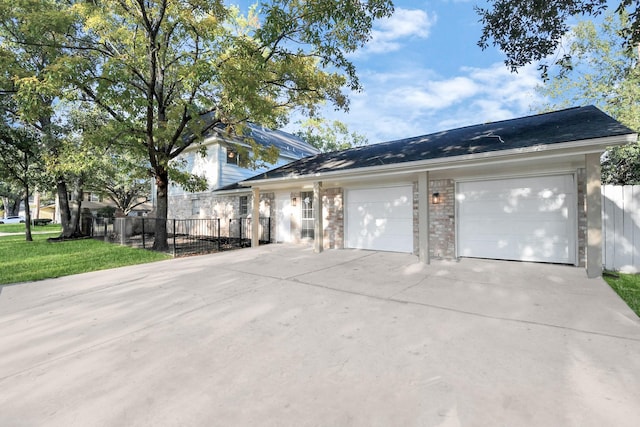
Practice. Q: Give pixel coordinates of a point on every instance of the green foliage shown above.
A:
(329, 136)
(604, 74)
(189, 66)
(621, 165)
(106, 212)
(164, 73)
(32, 48)
(28, 261)
(190, 182)
(530, 31)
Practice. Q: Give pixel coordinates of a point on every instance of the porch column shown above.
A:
(318, 232)
(423, 218)
(255, 217)
(594, 216)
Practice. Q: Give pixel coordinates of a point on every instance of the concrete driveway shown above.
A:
(279, 336)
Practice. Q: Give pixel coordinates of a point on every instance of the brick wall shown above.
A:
(582, 216)
(333, 221)
(442, 227)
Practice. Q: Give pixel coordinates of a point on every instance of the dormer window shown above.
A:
(232, 156)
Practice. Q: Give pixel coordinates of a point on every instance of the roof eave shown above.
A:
(586, 146)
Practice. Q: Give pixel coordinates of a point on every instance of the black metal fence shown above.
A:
(184, 236)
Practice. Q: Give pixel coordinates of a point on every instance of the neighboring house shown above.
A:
(223, 169)
(91, 203)
(524, 189)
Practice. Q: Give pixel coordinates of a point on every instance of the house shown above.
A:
(91, 203)
(223, 168)
(526, 189)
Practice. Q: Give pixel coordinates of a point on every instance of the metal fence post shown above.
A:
(218, 234)
(174, 237)
(143, 243)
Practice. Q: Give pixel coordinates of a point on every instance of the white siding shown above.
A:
(234, 173)
(207, 166)
(215, 168)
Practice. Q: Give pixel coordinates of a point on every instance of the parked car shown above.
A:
(12, 220)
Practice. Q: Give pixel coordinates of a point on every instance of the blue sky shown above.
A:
(423, 72)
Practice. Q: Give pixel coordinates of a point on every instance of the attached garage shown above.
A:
(379, 218)
(524, 219)
(514, 189)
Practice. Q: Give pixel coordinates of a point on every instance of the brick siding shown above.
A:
(333, 221)
(582, 217)
(442, 225)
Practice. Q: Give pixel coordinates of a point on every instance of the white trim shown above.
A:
(516, 176)
(214, 193)
(383, 185)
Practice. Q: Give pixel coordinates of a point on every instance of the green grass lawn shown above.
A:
(627, 286)
(20, 228)
(22, 261)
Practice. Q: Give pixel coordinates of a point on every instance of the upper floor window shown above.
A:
(232, 156)
(195, 207)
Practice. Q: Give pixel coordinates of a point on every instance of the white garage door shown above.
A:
(525, 219)
(380, 218)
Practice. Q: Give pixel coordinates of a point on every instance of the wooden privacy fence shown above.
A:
(621, 228)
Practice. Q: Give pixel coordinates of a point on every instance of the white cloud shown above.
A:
(388, 34)
(438, 94)
(415, 101)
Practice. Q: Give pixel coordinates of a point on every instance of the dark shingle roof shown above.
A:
(573, 124)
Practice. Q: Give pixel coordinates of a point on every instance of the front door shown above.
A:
(307, 225)
(283, 217)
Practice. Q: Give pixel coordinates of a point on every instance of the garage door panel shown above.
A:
(380, 219)
(529, 219)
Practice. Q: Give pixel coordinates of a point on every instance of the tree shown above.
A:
(31, 89)
(329, 136)
(170, 70)
(604, 74)
(20, 164)
(10, 198)
(528, 31)
(123, 180)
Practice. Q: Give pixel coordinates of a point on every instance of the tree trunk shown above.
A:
(75, 212)
(70, 227)
(160, 242)
(27, 216)
(11, 206)
(27, 209)
(5, 205)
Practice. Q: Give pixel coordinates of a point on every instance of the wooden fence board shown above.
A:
(621, 228)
